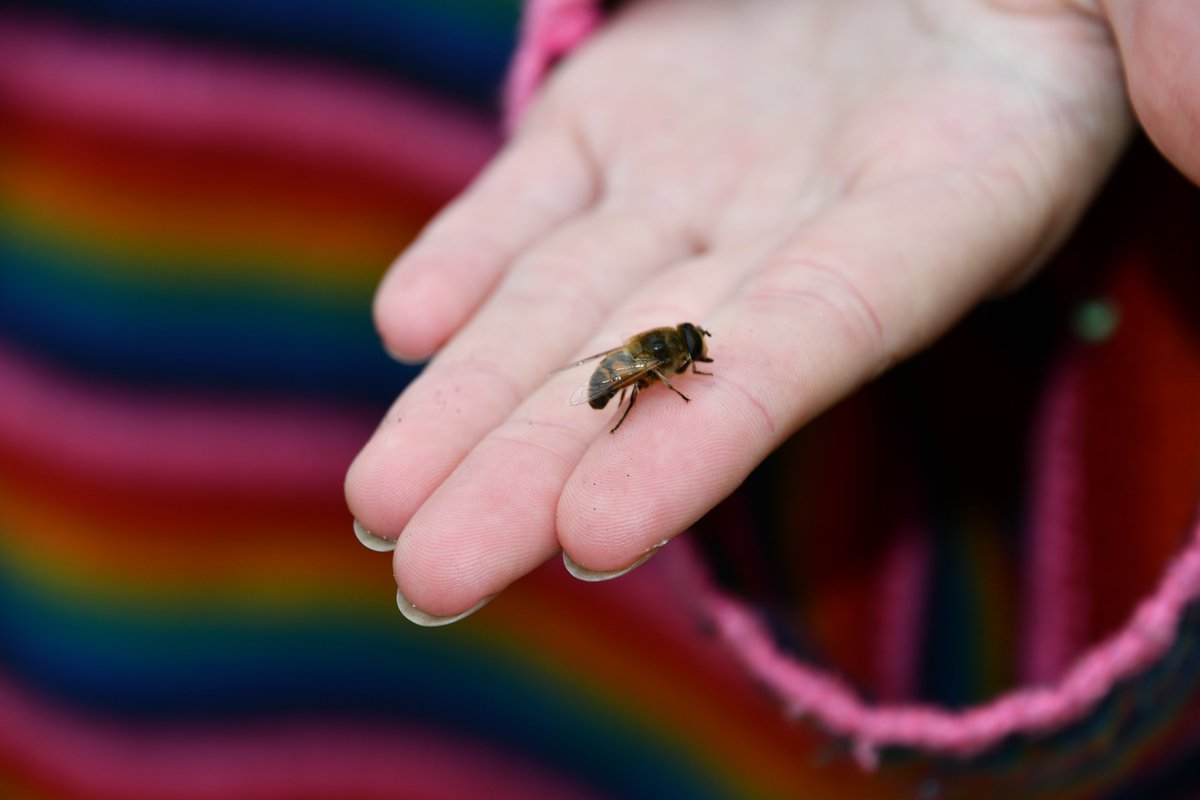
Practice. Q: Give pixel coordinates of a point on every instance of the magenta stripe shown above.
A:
(899, 629)
(168, 92)
(173, 440)
(550, 29)
(1055, 617)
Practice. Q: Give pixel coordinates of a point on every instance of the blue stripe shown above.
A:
(270, 338)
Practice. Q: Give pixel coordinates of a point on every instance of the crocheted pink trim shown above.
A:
(838, 708)
(1071, 689)
(550, 29)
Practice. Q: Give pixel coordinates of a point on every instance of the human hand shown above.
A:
(826, 186)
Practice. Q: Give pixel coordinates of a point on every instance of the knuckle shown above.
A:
(809, 287)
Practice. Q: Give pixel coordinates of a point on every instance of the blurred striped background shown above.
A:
(196, 202)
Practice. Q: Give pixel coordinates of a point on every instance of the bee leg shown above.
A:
(663, 378)
(632, 399)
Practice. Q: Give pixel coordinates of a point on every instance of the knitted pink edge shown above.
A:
(1035, 709)
(551, 29)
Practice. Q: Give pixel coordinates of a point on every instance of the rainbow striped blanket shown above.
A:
(196, 201)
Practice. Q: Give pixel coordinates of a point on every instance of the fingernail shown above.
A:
(371, 541)
(396, 355)
(426, 620)
(592, 576)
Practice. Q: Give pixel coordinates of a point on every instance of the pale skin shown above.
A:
(827, 186)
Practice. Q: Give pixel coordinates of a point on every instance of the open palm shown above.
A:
(825, 186)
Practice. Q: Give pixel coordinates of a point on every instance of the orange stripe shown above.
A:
(139, 545)
(207, 205)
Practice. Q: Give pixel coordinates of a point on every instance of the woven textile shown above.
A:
(196, 202)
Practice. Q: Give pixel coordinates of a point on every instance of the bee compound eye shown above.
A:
(693, 339)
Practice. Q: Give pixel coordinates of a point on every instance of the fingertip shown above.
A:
(442, 583)
(580, 572)
(418, 616)
(416, 312)
(367, 499)
(619, 504)
(488, 524)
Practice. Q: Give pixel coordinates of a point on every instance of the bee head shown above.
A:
(693, 337)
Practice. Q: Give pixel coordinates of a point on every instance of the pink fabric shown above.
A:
(1056, 614)
(551, 29)
(119, 434)
(901, 613)
(149, 87)
(838, 708)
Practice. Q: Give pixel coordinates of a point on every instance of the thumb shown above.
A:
(1160, 48)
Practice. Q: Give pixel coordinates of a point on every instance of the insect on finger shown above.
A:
(643, 359)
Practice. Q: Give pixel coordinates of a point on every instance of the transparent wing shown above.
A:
(583, 361)
(615, 374)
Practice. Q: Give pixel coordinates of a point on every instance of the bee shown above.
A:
(650, 356)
